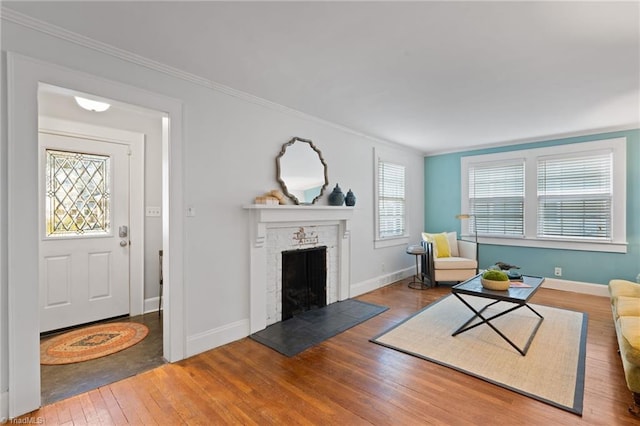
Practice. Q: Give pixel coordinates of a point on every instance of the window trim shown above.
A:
(379, 242)
(618, 243)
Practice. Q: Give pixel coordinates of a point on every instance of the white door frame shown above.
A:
(23, 75)
(136, 142)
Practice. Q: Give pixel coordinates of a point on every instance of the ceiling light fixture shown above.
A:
(91, 105)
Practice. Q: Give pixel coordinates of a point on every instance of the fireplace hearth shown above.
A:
(304, 280)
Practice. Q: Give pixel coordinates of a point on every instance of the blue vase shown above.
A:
(336, 198)
(350, 199)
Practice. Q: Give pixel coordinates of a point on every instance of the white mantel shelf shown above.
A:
(263, 217)
(295, 213)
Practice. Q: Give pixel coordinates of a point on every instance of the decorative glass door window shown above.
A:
(77, 194)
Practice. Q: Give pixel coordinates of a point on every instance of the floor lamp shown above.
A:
(464, 216)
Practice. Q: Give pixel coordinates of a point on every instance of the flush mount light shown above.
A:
(91, 105)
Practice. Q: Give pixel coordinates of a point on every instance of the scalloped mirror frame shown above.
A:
(279, 169)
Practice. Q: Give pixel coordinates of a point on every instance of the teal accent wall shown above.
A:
(442, 204)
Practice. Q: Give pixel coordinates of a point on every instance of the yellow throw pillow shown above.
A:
(440, 244)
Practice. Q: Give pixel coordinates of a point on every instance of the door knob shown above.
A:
(123, 243)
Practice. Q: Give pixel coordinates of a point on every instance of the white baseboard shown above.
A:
(151, 304)
(213, 338)
(551, 283)
(380, 281)
(576, 287)
(4, 407)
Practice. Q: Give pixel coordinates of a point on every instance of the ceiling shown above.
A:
(434, 76)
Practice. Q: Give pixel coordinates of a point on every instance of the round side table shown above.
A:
(417, 281)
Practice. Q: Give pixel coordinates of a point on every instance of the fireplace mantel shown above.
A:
(264, 217)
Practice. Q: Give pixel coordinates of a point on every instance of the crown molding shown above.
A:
(544, 138)
(26, 21)
(64, 34)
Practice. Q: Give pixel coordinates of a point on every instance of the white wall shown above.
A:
(230, 145)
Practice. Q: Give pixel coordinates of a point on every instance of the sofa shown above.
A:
(625, 305)
(447, 258)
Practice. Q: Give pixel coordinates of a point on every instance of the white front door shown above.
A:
(84, 221)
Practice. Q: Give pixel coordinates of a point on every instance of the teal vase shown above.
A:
(350, 199)
(336, 198)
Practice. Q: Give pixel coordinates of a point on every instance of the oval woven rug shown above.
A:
(91, 342)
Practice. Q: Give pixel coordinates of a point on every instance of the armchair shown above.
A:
(456, 260)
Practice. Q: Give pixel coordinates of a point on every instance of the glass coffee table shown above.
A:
(518, 295)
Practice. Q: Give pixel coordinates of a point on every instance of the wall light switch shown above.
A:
(153, 211)
(191, 211)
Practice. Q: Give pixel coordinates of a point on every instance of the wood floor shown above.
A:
(349, 381)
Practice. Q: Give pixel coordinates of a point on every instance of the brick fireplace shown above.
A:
(277, 229)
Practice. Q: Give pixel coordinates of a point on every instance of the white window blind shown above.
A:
(391, 200)
(496, 198)
(575, 196)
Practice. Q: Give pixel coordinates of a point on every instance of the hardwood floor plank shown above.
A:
(132, 406)
(64, 411)
(90, 413)
(155, 400)
(239, 397)
(77, 414)
(349, 380)
(102, 411)
(110, 402)
(48, 414)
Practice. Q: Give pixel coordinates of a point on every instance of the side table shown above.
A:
(417, 281)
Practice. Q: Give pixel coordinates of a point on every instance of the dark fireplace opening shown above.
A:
(304, 280)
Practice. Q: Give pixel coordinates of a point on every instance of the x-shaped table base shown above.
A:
(478, 314)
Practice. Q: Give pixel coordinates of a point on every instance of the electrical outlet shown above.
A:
(557, 271)
(153, 211)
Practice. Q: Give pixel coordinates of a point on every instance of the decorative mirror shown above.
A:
(301, 170)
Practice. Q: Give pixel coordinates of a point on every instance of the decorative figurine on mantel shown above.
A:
(274, 197)
(350, 199)
(336, 198)
(279, 195)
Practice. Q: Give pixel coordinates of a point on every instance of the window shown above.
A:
(574, 196)
(496, 198)
(77, 198)
(391, 202)
(570, 196)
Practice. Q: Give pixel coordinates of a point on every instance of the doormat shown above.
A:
(91, 342)
(292, 336)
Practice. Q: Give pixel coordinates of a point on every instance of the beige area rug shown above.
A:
(552, 370)
(91, 342)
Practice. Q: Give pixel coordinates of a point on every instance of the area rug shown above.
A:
(292, 336)
(552, 370)
(91, 342)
